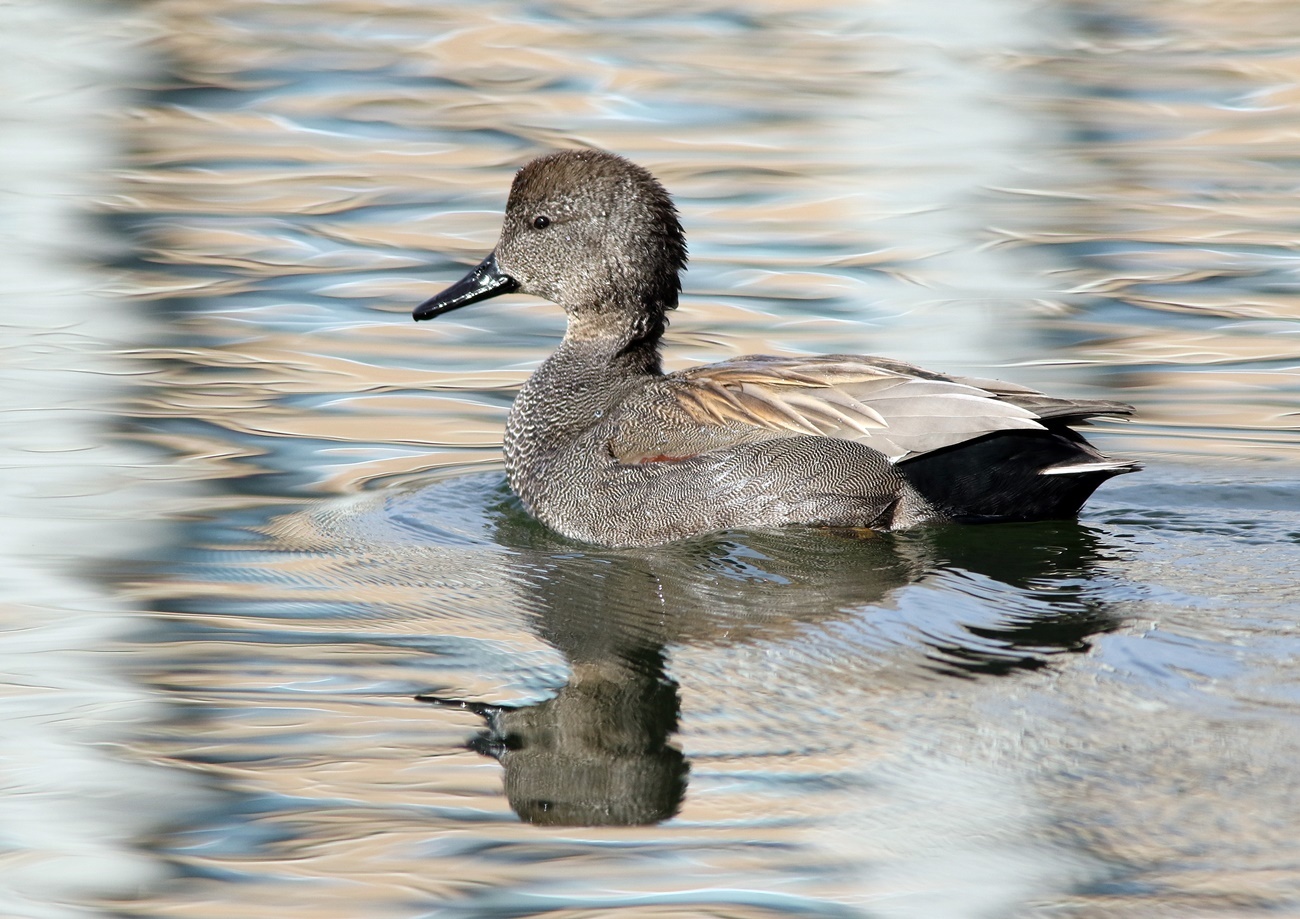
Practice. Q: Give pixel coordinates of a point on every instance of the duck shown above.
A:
(604, 447)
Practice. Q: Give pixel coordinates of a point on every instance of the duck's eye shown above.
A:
(541, 222)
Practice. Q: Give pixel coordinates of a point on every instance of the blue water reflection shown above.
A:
(255, 511)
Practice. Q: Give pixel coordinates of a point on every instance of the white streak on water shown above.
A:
(73, 810)
(952, 99)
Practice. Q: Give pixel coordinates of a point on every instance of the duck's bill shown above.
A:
(486, 280)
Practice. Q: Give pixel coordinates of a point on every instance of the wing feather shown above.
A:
(773, 409)
(890, 406)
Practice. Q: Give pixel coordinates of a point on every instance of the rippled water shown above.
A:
(297, 521)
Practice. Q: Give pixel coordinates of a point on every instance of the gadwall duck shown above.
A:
(604, 447)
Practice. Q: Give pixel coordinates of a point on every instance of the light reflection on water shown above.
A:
(1092, 718)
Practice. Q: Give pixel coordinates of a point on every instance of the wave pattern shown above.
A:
(1077, 719)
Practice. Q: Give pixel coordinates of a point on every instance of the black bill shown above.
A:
(486, 280)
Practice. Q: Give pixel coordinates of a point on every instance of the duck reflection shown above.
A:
(1053, 568)
(601, 751)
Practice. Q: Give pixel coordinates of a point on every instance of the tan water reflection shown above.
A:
(790, 217)
(1088, 197)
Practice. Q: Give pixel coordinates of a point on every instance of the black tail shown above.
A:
(1013, 475)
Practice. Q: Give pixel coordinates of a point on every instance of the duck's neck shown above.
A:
(593, 369)
(625, 346)
(587, 373)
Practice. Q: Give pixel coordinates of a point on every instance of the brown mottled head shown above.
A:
(588, 230)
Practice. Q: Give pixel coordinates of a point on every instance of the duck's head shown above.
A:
(587, 230)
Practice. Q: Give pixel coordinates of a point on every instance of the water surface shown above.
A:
(1091, 718)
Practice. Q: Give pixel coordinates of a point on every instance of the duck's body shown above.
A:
(604, 447)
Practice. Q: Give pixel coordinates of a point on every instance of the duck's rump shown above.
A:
(1013, 475)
